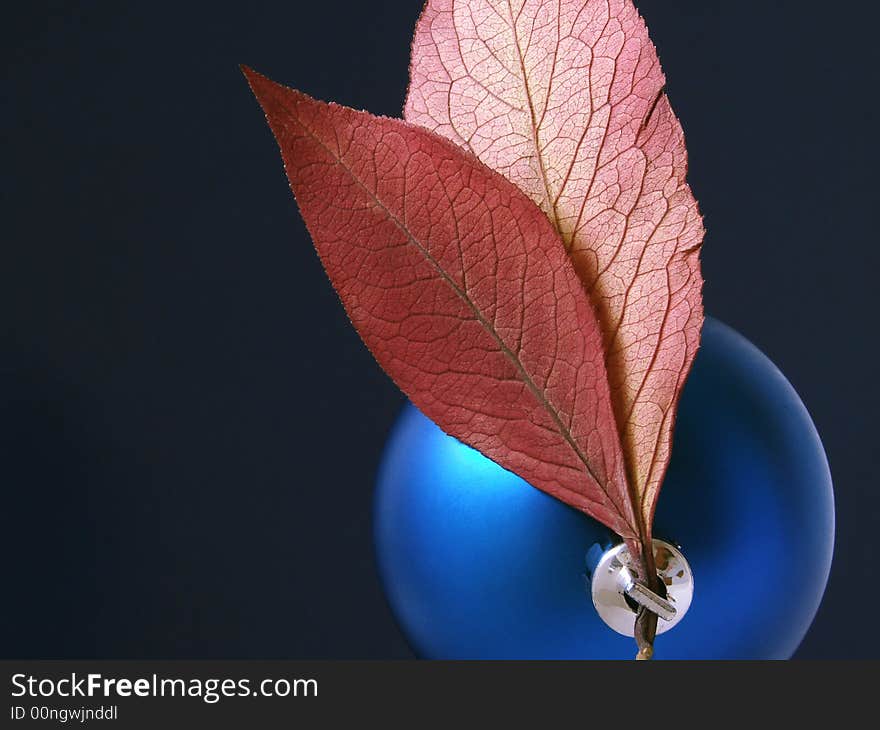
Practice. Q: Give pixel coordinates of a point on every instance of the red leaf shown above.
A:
(565, 98)
(463, 292)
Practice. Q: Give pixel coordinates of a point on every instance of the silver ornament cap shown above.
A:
(617, 594)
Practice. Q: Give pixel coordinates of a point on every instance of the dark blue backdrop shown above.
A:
(190, 429)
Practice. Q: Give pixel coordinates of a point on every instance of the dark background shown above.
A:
(190, 428)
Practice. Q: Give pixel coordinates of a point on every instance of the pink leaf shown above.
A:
(565, 98)
(463, 292)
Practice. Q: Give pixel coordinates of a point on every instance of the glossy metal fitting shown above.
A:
(615, 579)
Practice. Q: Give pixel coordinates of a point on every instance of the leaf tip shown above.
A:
(258, 83)
(278, 102)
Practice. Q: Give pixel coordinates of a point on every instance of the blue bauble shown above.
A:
(478, 564)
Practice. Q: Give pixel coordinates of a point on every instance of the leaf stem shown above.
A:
(646, 621)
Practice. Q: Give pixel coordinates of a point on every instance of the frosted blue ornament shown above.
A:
(478, 564)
